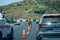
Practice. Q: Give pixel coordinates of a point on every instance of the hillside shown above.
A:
(25, 9)
(53, 4)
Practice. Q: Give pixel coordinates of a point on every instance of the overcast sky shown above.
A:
(6, 2)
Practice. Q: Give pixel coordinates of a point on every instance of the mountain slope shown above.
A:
(53, 4)
(25, 9)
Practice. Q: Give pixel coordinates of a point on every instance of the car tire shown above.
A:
(0, 35)
(39, 37)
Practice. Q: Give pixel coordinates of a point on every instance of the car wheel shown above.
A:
(0, 34)
(39, 37)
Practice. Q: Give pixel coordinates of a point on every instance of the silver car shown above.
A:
(49, 26)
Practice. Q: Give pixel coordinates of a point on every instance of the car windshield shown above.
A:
(51, 19)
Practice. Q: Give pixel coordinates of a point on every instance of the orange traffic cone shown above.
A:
(28, 30)
(30, 26)
(24, 34)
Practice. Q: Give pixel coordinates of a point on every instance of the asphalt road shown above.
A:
(18, 30)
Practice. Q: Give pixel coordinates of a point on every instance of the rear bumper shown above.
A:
(9, 37)
(49, 34)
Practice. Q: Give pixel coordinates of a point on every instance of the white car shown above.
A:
(6, 30)
(49, 26)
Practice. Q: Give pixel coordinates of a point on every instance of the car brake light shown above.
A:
(55, 16)
(40, 25)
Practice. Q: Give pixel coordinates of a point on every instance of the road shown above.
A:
(18, 30)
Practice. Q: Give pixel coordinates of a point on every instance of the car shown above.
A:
(6, 30)
(37, 21)
(18, 23)
(49, 26)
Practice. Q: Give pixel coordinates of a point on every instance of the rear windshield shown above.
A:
(52, 19)
(2, 22)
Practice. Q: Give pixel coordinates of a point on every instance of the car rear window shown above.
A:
(2, 22)
(52, 19)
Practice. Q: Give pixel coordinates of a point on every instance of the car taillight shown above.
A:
(41, 25)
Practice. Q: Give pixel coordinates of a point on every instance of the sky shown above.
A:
(6, 2)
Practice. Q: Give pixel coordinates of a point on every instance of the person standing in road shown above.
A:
(29, 22)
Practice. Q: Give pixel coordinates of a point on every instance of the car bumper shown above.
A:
(49, 34)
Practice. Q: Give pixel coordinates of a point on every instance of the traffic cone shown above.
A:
(30, 26)
(24, 34)
(28, 30)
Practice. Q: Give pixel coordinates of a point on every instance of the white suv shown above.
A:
(6, 30)
(49, 26)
